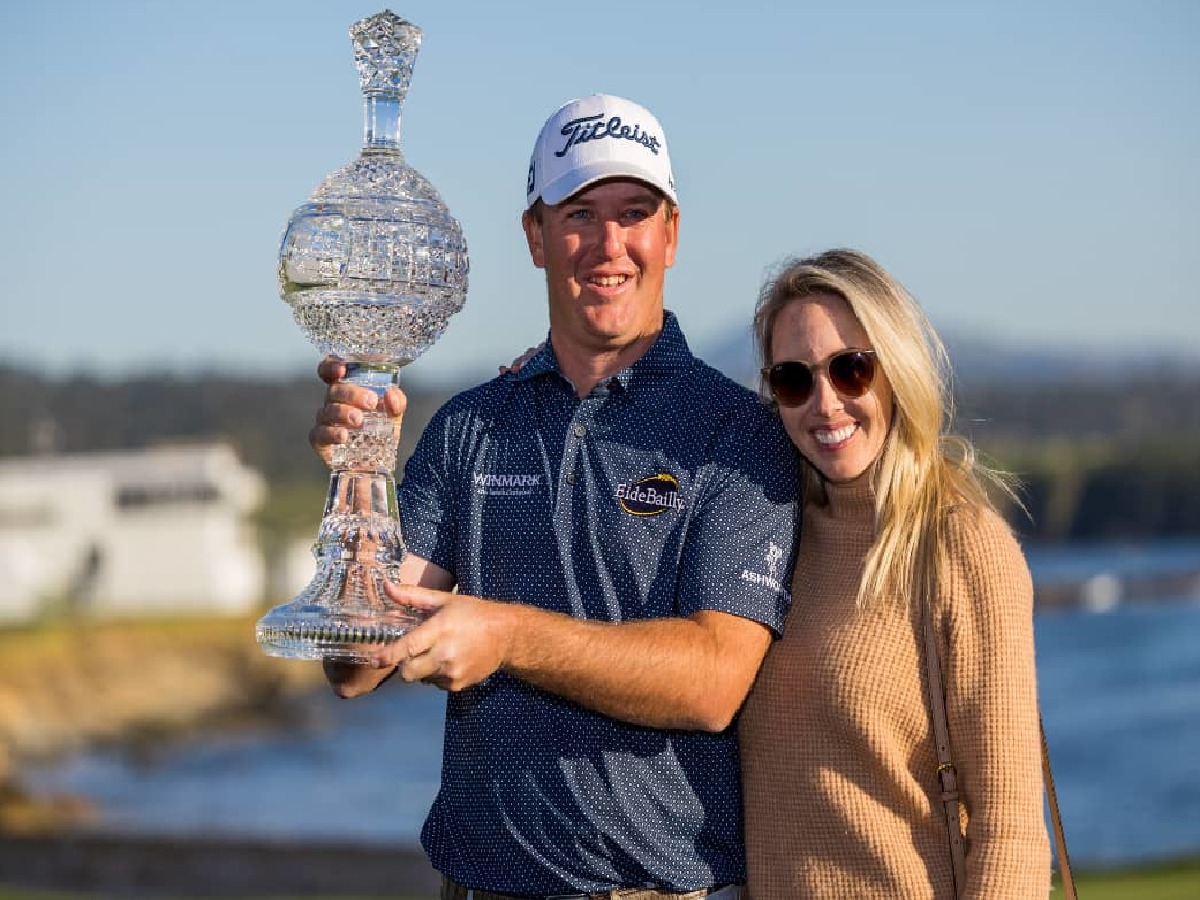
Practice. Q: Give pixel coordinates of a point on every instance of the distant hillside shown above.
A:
(1106, 447)
(1115, 455)
(1004, 395)
(266, 419)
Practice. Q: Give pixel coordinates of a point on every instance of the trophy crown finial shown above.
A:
(385, 50)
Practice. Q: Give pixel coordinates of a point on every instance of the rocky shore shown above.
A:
(65, 687)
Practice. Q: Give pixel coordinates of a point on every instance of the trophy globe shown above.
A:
(373, 266)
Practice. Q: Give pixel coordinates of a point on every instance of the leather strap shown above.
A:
(1060, 836)
(948, 775)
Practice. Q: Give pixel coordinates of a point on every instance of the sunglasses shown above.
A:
(850, 372)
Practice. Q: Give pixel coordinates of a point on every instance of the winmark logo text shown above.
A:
(506, 485)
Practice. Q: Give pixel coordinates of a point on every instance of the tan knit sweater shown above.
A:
(838, 764)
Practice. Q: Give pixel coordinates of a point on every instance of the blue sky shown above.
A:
(1031, 170)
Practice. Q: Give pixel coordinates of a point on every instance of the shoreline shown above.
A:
(137, 685)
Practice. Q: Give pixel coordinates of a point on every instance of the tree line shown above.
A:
(1100, 459)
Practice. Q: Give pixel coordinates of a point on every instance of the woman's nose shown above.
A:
(826, 399)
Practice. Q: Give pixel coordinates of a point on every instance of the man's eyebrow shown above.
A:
(642, 195)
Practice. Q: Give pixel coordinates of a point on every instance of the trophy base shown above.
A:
(345, 612)
(320, 634)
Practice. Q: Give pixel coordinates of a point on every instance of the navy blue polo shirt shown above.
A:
(667, 490)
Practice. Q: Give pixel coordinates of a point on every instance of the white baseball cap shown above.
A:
(597, 137)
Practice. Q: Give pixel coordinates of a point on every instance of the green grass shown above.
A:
(1177, 880)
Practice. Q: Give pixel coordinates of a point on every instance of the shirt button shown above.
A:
(580, 431)
(571, 478)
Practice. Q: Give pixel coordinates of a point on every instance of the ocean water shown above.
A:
(366, 769)
(1120, 694)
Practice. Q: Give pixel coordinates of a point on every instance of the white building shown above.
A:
(129, 533)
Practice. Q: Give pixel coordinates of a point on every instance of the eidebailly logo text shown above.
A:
(652, 496)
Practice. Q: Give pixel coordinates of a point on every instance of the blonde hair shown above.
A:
(922, 471)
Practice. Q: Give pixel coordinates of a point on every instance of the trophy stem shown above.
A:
(345, 613)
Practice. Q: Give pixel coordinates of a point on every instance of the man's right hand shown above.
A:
(519, 363)
(344, 407)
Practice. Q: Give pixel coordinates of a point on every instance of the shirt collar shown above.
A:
(669, 351)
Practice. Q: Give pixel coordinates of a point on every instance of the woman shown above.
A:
(838, 763)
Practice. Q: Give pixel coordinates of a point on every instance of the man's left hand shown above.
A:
(464, 640)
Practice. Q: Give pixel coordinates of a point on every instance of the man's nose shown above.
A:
(613, 239)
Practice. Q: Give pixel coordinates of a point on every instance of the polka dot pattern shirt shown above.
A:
(667, 490)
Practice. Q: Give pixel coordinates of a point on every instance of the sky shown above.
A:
(1029, 169)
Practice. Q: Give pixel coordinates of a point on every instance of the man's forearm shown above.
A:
(690, 673)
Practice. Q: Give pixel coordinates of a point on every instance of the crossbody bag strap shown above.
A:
(1060, 836)
(947, 774)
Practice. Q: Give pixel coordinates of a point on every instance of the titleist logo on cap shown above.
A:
(593, 128)
(596, 138)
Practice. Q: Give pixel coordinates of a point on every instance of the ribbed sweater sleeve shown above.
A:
(991, 700)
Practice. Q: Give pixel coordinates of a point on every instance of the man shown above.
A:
(630, 511)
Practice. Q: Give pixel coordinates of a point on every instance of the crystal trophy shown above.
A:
(373, 266)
